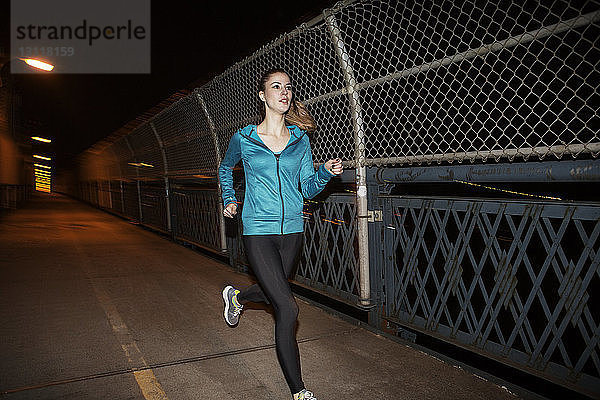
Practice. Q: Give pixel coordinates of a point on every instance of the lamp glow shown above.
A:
(41, 139)
(141, 164)
(42, 166)
(42, 157)
(38, 64)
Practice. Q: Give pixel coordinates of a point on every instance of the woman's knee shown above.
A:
(288, 312)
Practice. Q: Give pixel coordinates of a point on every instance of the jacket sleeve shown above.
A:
(312, 182)
(232, 157)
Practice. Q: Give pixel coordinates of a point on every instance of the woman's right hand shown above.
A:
(230, 210)
(334, 166)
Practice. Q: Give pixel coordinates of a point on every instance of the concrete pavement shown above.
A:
(93, 307)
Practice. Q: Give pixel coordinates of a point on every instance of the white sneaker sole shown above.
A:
(226, 301)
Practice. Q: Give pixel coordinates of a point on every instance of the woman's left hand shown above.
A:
(334, 166)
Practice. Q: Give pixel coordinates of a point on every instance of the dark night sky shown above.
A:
(190, 41)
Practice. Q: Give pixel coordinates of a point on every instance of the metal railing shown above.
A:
(510, 279)
(12, 196)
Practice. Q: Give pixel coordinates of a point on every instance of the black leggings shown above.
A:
(272, 258)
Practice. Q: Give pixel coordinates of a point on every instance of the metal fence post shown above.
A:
(122, 196)
(139, 192)
(137, 181)
(165, 169)
(120, 177)
(376, 262)
(359, 154)
(110, 202)
(213, 132)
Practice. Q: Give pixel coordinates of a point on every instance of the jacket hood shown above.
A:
(251, 133)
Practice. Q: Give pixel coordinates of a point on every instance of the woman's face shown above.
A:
(278, 93)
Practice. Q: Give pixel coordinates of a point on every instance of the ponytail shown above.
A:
(298, 115)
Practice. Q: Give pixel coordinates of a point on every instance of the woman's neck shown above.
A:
(273, 125)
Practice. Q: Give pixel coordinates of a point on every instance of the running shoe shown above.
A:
(232, 307)
(306, 395)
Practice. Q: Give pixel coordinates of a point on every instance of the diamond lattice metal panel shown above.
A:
(511, 280)
(329, 257)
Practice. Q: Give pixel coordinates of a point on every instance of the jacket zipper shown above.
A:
(263, 145)
(278, 176)
(280, 191)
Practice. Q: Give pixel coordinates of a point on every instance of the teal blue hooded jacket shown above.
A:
(275, 183)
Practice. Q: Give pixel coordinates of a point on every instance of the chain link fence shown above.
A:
(394, 84)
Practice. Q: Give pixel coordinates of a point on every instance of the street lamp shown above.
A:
(38, 64)
(10, 131)
(32, 62)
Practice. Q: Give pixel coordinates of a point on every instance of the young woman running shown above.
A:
(277, 163)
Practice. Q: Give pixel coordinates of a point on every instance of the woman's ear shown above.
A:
(261, 95)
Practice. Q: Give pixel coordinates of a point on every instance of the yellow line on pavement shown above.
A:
(150, 386)
(145, 378)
